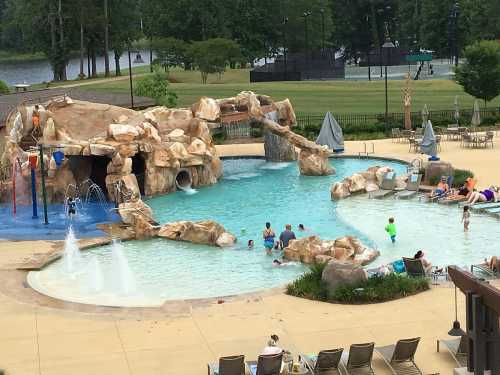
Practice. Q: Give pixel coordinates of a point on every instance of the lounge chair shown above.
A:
(386, 187)
(359, 361)
(326, 361)
(458, 349)
(400, 357)
(411, 187)
(232, 365)
(414, 267)
(487, 270)
(266, 365)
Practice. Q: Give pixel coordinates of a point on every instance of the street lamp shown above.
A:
(306, 14)
(387, 46)
(322, 11)
(138, 60)
(455, 12)
(284, 22)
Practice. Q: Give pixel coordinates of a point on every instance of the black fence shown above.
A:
(365, 120)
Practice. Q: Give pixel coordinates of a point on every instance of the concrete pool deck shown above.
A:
(52, 340)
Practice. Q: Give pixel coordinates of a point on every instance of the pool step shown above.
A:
(484, 206)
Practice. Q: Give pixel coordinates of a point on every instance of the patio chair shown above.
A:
(466, 140)
(396, 134)
(438, 142)
(414, 267)
(406, 134)
(485, 269)
(266, 365)
(411, 187)
(488, 139)
(419, 131)
(359, 361)
(400, 357)
(386, 187)
(326, 361)
(414, 145)
(458, 348)
(231, 365)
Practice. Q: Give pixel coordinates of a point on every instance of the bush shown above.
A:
(459, 177)
(379, 289)
(375, 289)
(256, 132)
(156, 86)
(310, 284)
(4, 89)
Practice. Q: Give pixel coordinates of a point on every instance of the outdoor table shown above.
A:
(22, 87)
(453, 134)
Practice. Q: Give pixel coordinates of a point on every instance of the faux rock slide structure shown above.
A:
(129, 153)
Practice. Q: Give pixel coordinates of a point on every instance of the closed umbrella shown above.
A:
(456, 114)
(476, 115)
(428, 145)
(425, 115)
(331, 134)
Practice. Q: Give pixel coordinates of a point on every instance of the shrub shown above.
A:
(460, 175)
(256, 132)
(375, 289)
(4, 89)
(156, 86)
(310, 284)
(379, 289)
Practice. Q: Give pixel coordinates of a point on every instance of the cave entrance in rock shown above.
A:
(98, 171)
(139, 170)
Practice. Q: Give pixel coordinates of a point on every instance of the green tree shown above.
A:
(170, 52)
(213, 55)
(483, 19)
(4, 89)
(480, 74)
(156, 86)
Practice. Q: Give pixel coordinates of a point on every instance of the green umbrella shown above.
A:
(456, 115)
(476, 115)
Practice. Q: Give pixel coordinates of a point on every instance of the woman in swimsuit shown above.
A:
(487, 195)
(268, 236)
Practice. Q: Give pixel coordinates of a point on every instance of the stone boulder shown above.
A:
(314, 164)
(202, 232)
(339, 190)
(381, 172)
(127, 211)
(337, 273)
(49, 131)
(206, 109)
(123, 133)
(357, 183)
(168, 119)
(314, 250)
(178, 135)
(101, 150)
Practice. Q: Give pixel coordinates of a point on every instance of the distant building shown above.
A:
(315, 65)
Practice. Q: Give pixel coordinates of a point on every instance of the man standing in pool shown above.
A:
(268, 236)
(286, 236)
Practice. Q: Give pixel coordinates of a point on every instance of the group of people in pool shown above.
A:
(466, 192)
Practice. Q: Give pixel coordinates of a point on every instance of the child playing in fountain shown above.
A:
(71, 207)
(466, 218)
(391, 229)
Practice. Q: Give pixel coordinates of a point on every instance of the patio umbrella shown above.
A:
(331, 134)
(425, 115)
(428, 145)
(456, 115)
(476, 116)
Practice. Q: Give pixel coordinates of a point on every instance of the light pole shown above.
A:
(455, 12)
(284, 22)
(368, 54)
(387, 48)
(322, 11)
(306, 14)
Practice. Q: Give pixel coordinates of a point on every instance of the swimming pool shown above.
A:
(251, 193)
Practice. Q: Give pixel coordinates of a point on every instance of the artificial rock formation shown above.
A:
(203, 232)
(314, 250)
(364, 182)
(337, 273)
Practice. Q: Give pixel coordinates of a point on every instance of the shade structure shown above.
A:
(456, 114)
(476, 115)
(428, 145)
(331, 134)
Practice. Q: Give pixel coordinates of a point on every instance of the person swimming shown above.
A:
(250, 244)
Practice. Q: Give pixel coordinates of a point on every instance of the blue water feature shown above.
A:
(251, 192)
(22, 226)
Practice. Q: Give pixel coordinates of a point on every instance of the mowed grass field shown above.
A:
(313, 97)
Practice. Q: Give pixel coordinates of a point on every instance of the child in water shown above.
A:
(391, 229)
(466, 218)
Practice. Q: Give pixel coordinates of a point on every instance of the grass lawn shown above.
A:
(314, 97)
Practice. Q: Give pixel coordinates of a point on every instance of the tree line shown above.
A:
(183, 32)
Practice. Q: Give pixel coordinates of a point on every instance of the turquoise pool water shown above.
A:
(251, 193)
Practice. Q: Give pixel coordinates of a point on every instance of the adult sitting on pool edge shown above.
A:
(441, 189)
(286, 236)
(487, 195)
(268, 236)
(493, 264)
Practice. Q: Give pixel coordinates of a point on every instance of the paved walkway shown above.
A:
(38, 340)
